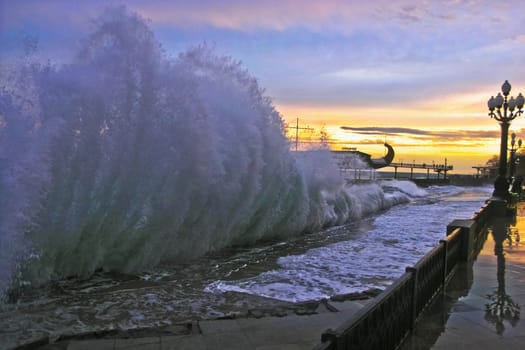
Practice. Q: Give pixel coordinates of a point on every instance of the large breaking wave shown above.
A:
(126, 157)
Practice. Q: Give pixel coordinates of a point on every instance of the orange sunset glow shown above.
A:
(460, 131)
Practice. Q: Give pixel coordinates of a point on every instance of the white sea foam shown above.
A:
(397, 239)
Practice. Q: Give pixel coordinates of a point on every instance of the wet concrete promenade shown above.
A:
(479, 310)
(292, 332)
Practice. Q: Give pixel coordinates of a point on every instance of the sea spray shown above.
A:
(125, 157)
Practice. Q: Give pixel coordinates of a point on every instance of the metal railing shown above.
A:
(378, 325)
(428, 278)
(453, 244)
(388, 319)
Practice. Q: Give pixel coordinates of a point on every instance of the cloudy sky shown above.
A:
(416, 73)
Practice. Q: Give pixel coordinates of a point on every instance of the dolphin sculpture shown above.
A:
(375, 163)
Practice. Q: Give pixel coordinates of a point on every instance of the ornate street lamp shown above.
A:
(504, 110)
(513, 150)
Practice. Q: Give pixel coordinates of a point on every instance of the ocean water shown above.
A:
(367, 253)
(375, 252)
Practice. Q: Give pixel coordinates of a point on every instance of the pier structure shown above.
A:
(485, 171)
(353, 174)
(437, 168)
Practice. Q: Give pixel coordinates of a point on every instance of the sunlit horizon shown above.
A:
(463, 145)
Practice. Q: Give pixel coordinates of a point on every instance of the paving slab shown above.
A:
(291, 332)
(298, 346)
(219, 326)
(145, 343)
(99, 344)
(232, 340)
(347, 306)
(185, 342)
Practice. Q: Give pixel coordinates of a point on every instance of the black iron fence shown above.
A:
(385, 321)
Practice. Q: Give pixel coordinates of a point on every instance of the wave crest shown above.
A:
(126, 157)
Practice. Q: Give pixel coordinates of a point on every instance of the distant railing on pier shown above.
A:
(389, 318)
(357, 175)
(438, 168)
(435, 167)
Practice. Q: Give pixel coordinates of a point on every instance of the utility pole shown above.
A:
(297, 128)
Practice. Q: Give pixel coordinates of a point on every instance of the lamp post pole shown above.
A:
(504, 110)
(513, 150)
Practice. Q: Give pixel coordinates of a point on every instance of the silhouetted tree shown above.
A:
(493, 162)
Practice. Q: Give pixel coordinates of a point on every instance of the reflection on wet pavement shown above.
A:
(481, 306)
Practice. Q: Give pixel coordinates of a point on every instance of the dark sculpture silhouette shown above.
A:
(376, 163)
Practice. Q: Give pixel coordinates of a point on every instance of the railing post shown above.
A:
(329, 335)
(499, 207)
(467, 227)
(413, 313)
(333, 338)
(445, 263)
